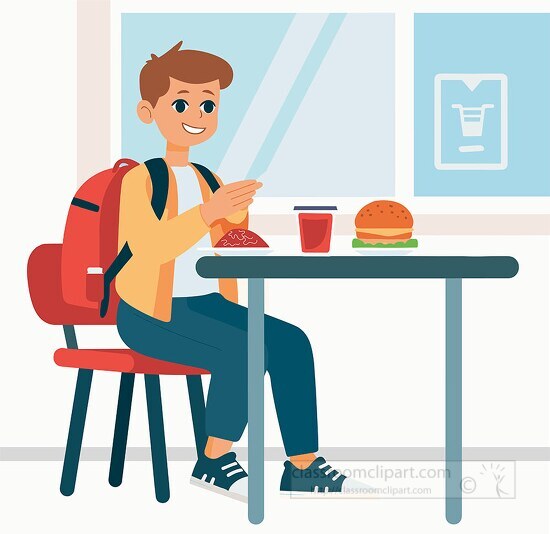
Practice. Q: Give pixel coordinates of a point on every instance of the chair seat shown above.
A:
(120, 361)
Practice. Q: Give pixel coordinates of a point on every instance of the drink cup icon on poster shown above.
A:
(471, 121)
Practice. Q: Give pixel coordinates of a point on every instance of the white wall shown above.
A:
(38, 95)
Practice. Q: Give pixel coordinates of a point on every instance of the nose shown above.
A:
(193, 115)
(197, 113)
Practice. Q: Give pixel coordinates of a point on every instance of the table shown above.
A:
(453, 269)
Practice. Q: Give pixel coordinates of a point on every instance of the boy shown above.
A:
(168, 312)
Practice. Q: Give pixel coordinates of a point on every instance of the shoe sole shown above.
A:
(218, 490)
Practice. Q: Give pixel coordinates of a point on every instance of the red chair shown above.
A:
(44, 277)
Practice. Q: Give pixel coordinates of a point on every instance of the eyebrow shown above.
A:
(204, 91)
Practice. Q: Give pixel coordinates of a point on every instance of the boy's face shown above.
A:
(187, 114)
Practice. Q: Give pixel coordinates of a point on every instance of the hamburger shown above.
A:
(384, 223)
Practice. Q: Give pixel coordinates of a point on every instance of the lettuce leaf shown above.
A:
(411, 243)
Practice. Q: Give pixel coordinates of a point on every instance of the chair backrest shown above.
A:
(44, 278)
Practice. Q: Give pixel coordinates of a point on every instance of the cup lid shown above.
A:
(315, 208)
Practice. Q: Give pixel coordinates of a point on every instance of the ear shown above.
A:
(145, 111)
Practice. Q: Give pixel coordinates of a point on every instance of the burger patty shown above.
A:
(368, 237)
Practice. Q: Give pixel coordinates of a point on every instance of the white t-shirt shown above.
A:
(187, 283)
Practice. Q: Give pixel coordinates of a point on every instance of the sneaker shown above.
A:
(223, 475)
(318, 479)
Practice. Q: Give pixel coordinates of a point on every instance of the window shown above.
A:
(342, 105)
(311, 109)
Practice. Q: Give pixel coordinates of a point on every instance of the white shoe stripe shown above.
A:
(229, 465)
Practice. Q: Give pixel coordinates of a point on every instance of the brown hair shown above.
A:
(191, 66)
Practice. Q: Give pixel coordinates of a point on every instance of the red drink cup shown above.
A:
(315, 227)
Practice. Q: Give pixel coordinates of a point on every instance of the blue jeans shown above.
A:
(211, 332)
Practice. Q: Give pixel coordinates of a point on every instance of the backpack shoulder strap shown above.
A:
(122, 258)
(208, 176)
(158, 171)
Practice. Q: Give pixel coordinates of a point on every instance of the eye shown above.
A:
(180, 105)
(208, 106)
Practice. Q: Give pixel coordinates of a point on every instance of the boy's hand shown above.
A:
(229, 199)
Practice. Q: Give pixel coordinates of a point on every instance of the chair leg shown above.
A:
(76, 431)
(156, 434)
(120, 437)
(198, 411)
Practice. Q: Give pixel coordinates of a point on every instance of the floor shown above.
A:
(32, 503)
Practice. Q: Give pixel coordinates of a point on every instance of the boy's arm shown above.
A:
(222, 226)
(228, 286)
(165, 239)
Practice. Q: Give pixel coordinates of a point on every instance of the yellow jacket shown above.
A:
(146, 281)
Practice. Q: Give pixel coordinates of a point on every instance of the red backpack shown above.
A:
(90, 258)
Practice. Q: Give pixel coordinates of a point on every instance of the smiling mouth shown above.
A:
(192, 129)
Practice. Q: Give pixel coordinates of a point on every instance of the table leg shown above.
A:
(256, 400)
(453, 400)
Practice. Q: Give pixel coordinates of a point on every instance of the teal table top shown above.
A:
(357, 267)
